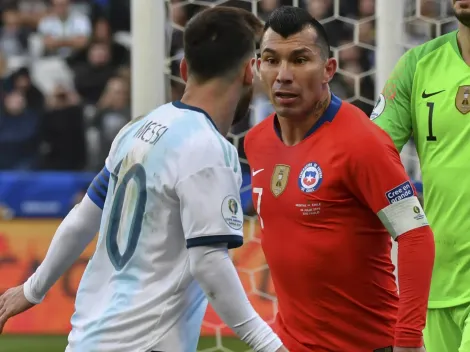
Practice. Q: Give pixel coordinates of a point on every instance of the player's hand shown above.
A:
(409, 349)
(12, 302)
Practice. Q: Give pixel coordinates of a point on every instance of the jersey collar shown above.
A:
(455, 44)
(180, 105)
(327, 116)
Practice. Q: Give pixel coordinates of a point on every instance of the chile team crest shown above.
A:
(310, 178)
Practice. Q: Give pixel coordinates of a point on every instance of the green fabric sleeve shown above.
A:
(393, 112)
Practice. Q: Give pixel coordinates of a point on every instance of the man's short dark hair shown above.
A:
(218, 40)
(290, 20)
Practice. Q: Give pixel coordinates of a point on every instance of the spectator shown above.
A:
(64, 31)
(3, 75)
(366, 8)
(21, 81)
(31, 12)
(91, 77)
(19, 136)
(117, 11)
(64, 131)
(13, 38)
(120, 55)
(337, 30)
(266, 7)
(113, 113)
(102, 32)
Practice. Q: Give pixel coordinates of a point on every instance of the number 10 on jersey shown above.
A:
(259, 192)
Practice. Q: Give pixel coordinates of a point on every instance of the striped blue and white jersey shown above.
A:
(171, 182)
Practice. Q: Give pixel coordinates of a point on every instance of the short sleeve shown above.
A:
(98, 189)
(44, 26)
(210, 207)
(392, 111)
(82, 26)
(378, 179)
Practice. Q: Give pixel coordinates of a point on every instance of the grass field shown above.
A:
(28, 343)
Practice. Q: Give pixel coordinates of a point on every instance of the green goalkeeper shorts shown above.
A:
(448, 329)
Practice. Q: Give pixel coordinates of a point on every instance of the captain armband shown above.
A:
(403, 216)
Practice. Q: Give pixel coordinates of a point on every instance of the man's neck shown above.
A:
(294, 130)
(218, 102)
(463, 38)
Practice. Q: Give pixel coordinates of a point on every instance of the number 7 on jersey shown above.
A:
(259, 192)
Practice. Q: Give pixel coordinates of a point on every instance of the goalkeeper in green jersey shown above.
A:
(428, 96)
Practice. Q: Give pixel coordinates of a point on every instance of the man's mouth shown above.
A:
(285, 95)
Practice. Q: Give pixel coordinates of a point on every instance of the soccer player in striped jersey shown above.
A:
(167, 208)
(428, 96)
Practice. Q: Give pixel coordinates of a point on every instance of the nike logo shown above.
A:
(425, 96)
(256, 172)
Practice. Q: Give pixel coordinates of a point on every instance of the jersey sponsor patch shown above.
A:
(232, 212)
(310, 177)
(400, 192)
(403, 216)
(378, 108)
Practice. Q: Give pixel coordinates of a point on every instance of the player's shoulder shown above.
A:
(202, 146)
(432, 46)
(431, 50)
(359, 133)
(259, 131)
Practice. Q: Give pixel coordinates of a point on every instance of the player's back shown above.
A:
(137, 292)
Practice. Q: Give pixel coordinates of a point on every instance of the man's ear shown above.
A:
(184, 69)
(249, 74)
(331, 66)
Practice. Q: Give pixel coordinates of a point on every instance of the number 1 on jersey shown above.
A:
(259, 192)
(430, 136)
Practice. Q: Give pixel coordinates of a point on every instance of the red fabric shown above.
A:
(415, 260)
(328, 252)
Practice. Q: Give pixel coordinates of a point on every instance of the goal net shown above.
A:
(351, 26)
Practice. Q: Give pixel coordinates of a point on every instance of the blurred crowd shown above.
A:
(65, 69)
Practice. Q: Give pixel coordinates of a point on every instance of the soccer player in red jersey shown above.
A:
(331, 192)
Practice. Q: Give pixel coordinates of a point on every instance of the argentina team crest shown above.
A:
(462, 99)
(279, 179)
(310, 177)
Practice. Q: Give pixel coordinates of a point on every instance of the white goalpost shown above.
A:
(388, 37)
(148, 55)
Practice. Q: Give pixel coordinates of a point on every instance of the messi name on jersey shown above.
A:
(151, 132)
(310, 177)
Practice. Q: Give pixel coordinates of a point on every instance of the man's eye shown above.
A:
(270, 60)
(301, 60)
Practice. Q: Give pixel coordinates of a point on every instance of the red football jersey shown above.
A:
(328, 252)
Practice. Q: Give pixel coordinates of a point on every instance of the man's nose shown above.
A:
(285, 74)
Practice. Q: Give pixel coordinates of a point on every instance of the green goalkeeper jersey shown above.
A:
(428, 97)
